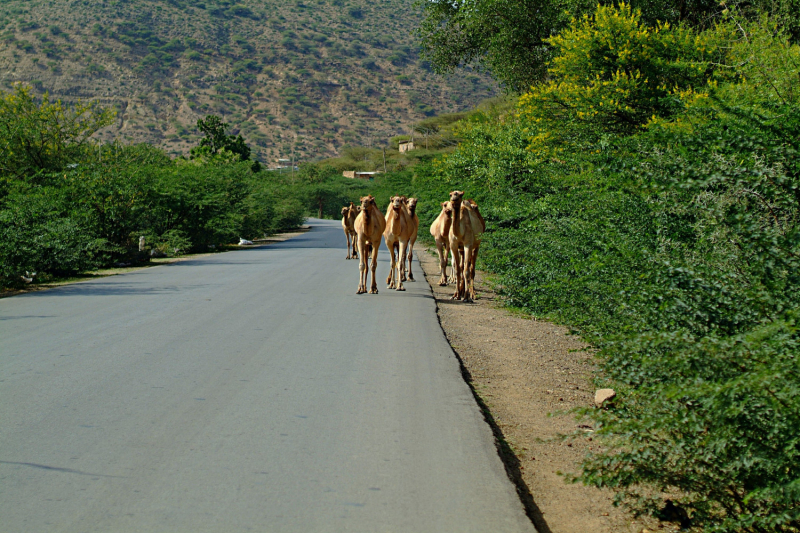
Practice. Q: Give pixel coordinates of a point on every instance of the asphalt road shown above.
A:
(245, 391)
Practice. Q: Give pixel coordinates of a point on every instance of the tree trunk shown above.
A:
(320, 207)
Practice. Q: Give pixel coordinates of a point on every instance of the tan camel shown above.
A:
(465, 232)
(411, 210)
(369, 226)
(482, 228)
(396, 234)
(349, 215)
(440, 230)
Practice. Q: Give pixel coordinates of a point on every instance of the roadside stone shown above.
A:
(602, 396)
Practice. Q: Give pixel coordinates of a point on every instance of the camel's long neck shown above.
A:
(394, 220)
(457, 229)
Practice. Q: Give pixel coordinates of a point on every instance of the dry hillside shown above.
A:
(298, 76)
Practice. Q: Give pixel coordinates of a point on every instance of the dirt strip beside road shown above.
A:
(523, 370)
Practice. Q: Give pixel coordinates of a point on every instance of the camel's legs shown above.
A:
(459, 272)
(473, 260)
(410, 260)
(347, 234)
(469, 273)
(403, 271)
(355, 253)
(453, 276)
(390, 280)
(401, 265)
(374, 266)
(362, 268)
(442, 251)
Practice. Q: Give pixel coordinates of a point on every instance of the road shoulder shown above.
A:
(522, 370)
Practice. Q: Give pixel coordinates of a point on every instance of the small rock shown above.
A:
(602, 396)
(243, 242)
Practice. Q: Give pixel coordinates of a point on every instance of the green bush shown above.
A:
(69, 205)
(674, 248)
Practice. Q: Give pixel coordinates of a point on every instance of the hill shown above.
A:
(297, 79)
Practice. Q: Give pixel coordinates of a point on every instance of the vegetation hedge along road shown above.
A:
(68, 204)
(647, 195)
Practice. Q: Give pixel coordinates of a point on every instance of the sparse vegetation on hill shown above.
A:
(296, 77)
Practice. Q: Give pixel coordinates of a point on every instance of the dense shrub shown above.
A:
(68, 204)
(673, 246)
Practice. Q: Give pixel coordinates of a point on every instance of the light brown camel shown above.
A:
(349, 215)
(465, 232)
(369, 226)
(440, 230)
(396, 234)
(482, 227)
(411, 210)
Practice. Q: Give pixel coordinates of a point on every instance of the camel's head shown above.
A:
(456, 196)
(367, 201)
(412, 205)
(346, 211)
(396, 202)
(447, 208)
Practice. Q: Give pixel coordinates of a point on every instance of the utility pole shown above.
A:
(384, 160)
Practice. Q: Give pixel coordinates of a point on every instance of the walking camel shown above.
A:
(411, 211)
(482, 226)
(349, 215)
(396, 234)
(440, 230)
(369, 226)
(465, 231)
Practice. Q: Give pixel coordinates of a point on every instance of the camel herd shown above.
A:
(457, 232)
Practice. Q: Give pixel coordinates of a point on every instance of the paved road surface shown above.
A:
(246, 391)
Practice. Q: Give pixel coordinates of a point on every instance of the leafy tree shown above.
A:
(38, 136)
(507, 37)
(216, 140)
(612, 73)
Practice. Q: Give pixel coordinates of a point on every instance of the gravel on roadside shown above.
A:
(524, 372)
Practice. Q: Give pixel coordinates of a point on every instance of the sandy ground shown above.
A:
(522, 370)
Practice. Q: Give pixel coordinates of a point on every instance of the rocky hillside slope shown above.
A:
(297, 78)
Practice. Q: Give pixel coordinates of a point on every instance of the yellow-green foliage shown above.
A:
(613, 74)
(767, 66)
(44, 135)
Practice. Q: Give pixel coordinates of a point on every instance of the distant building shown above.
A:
(352, 174)
(405, 146)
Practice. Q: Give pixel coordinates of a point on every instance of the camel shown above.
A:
(396, 234)
(369, 226)
(482, 227)
(349, 215)
(440, 230)
(465, 232)
(411, 211)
